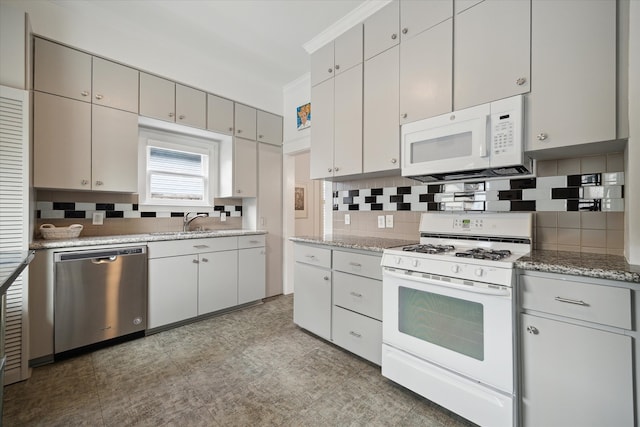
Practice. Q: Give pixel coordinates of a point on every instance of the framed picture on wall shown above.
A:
(303, 118)
(300, 200)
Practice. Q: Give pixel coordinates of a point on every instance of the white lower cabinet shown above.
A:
(251, 269)
(338, 296)
(217, 281)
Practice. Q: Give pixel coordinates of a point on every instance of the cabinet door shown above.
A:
(349, 49)
(321, 161)
(462, 5)
(61, 143)
(245, 164)
(574, 67)
(114, 153)
(426, 74)
(322, 64)
(348, 123)
(173, 290)
(251, 275)
(574, 375)
(115, 85)
(245, 122)
(312, 299)
(419, 15)
(219, 114)
(270, 213)
(491, 52)
(157, 97)
(381, 30)
(61, 70)
(269, 128)
(381, 146)
(191, 107)
(217, 281)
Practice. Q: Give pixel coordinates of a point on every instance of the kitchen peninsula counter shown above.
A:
(139, 238)
(601, 266)
(365, 243)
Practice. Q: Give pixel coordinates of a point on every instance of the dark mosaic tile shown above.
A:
(64, 206)
(522, 183)
(403, 190)
(75, 214)
(147, 214)
(238, 208)
(38, 214)
(510, 195)
(218, 208)
(105, 206)
(427, 197)
(335, 207)
(134, 207)
(177, 214)
(523, 205)
(404, 206)
(370, 199)
(347, 200)
(354, 193)
(376, 191)
(115, 214)
(566, 193)
(376, 206)
(433, 206)
(354, 207)
(396, 199)
(434, 188)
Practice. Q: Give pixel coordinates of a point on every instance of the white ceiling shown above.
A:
(263, 35)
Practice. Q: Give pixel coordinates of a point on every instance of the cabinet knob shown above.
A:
(541, 136)
(336, 169)
(230, 129)
(326, 277)
(405, 30)
(238, 191)
(404, 115)
(99, 183)
(329, 170)
(533, 330)
(394, 36)
(98, 96)
(84, 93)
(182, 116)
(394, 161)
(521, 81)
(330, 70)
(239, 131)
(337, 67)
(260, 136)
(205, 260)
(195, 261)
(84, 182)
(171, 114)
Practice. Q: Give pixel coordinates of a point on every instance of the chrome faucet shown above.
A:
(186, 222)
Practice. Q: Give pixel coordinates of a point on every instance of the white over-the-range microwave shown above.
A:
(481, 141)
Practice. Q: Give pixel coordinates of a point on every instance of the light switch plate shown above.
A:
(389, 221)
(380, 221)
(347, 219)
(98, 218)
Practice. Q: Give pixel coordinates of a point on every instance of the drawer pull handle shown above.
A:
(571, 301)
(200, 246)
(355, 294)
(355, 334)
(355, 264)
(255, 242)
(310, 256)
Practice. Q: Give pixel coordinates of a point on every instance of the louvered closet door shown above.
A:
(14, 107)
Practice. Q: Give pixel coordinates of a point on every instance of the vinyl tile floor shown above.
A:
(251, 367)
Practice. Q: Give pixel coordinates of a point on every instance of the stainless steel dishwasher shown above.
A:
(99, 295)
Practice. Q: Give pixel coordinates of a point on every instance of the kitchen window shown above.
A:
(176, 170)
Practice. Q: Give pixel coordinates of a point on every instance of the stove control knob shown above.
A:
(455, 268)
(479, 272)
(415, 262)
(398, 260)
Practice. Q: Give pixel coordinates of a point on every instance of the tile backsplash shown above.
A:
(578, 204)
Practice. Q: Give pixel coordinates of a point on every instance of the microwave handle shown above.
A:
(486, 136)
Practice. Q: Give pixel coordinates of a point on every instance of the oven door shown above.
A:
(463, 328)
(448, 143)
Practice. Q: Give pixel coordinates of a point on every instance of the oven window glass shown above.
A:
(442, 148)
(452, 323)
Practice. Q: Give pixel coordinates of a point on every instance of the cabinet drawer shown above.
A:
(593, 303)
(360, 264)
(313, 255)
(359, 294)
(358, 334)
(191, 246)
(253, 241)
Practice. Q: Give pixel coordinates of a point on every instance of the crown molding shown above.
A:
(356, 16)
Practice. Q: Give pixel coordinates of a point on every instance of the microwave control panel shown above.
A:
(506, 132)
(502, 134)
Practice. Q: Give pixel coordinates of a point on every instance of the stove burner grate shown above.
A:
(429, 248)
(481, 253)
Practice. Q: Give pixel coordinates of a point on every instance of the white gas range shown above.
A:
(448, 312)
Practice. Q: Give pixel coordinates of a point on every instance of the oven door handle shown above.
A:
(467, 288)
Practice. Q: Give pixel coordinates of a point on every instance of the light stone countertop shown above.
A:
(612, 267)
(373, 244)
(139, 238)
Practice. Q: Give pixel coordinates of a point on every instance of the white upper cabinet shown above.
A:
(491, 52)
(269, 128)
(573, 62)
(245, 122)
(115, 85)
(419, 15)
(157, 97)
(347, 156)
(426, 73)
(322, 99)
(60, 70)
(381, 134)
(191, 107)
(245, 167)
(382, 30)
(338, 56)
(219, 114)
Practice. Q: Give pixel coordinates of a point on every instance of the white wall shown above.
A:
(12, 47)
(115, 38)
(632, 176)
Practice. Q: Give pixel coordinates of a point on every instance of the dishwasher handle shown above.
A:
(99, 256)
(104, 260)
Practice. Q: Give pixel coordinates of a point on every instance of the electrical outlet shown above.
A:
(98, 218)
(389, 220)
(223, 216)
(347, 219)
(380, 221)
